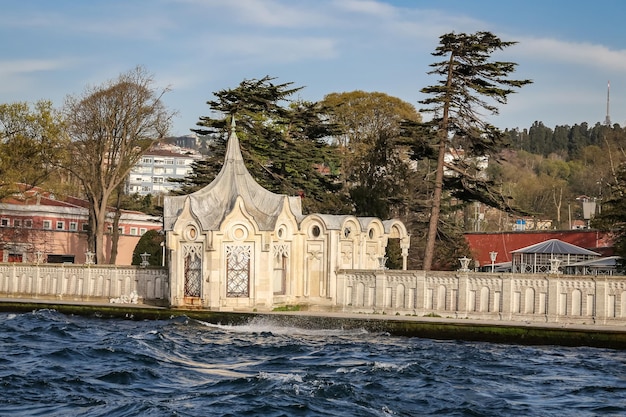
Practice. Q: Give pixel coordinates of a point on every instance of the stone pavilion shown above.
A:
(233, 245)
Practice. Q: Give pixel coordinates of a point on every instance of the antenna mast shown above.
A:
(607, 121)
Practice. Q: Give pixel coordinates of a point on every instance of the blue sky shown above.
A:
(569, 48)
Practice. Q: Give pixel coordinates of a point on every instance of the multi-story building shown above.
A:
(36, 226)
(154, 171)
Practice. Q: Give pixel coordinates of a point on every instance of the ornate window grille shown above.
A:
(193, 270)
(238, 270)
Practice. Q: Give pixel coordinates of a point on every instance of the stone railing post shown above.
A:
(553, 297)
(506, 297)
(462, 293)
(599, 309)
(379, 291)
(340, 300)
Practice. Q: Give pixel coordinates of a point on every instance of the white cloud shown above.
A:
(269, 13)
(580, 54)
(23, 66)
(277, 49)
(368, 7)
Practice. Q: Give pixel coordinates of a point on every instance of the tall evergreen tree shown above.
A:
(469, 79)
(613, 215)
(282, 142)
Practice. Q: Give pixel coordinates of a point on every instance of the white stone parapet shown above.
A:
(83, 282)
(547, 298)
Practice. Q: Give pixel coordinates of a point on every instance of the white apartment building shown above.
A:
(152, 174)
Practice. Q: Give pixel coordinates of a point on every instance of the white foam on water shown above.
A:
(263, 325)
(280, 377)
(385, 366)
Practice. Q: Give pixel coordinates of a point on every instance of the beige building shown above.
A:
(235, 245)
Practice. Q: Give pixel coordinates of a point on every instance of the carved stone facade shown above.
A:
(234, 245)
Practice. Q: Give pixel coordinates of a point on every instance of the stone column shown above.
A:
(599, 309)
(462, 293)
(379, 292)
(506, 296)
(553, 298)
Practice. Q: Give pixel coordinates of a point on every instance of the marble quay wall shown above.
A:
(547, 298)
(99, 283)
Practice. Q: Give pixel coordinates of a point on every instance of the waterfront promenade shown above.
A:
(509, 332)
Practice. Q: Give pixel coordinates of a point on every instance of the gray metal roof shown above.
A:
(609, 261)
(556, 246)
(211, 204)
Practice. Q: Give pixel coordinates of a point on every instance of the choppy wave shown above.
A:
(57, 365)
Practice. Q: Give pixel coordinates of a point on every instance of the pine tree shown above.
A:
(469, 78)
(282, 143)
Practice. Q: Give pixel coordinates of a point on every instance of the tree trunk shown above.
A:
(557, 204)
(429, 252)
(115, 235)
(100, 227)
(115, 231)
(435, 210)
(99, 240)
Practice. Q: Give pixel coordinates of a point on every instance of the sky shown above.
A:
(571, 49)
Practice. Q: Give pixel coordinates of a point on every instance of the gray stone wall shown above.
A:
(548, 298)
(71, 282)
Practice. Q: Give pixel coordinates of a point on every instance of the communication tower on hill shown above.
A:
(607, 121)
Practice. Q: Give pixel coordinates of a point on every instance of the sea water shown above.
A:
(53, 364)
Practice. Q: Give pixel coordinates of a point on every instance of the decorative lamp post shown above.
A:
(144, 259)
(89, 258)
(464, 263)
(382, 260)
(493, 255)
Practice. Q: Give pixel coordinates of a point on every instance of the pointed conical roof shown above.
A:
(211, 204)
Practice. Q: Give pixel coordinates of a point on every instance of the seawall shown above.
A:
(529, 333)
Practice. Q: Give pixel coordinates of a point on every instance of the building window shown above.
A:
(147, 160)
(17, 223)
(60, 225)
(142, 231)
(47, 224)
(85, 227)
(133, 231)
(28, 223)
(4, 222)
(120, 230)
(73, 226)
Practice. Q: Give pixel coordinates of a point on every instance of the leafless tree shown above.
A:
(110, 127)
